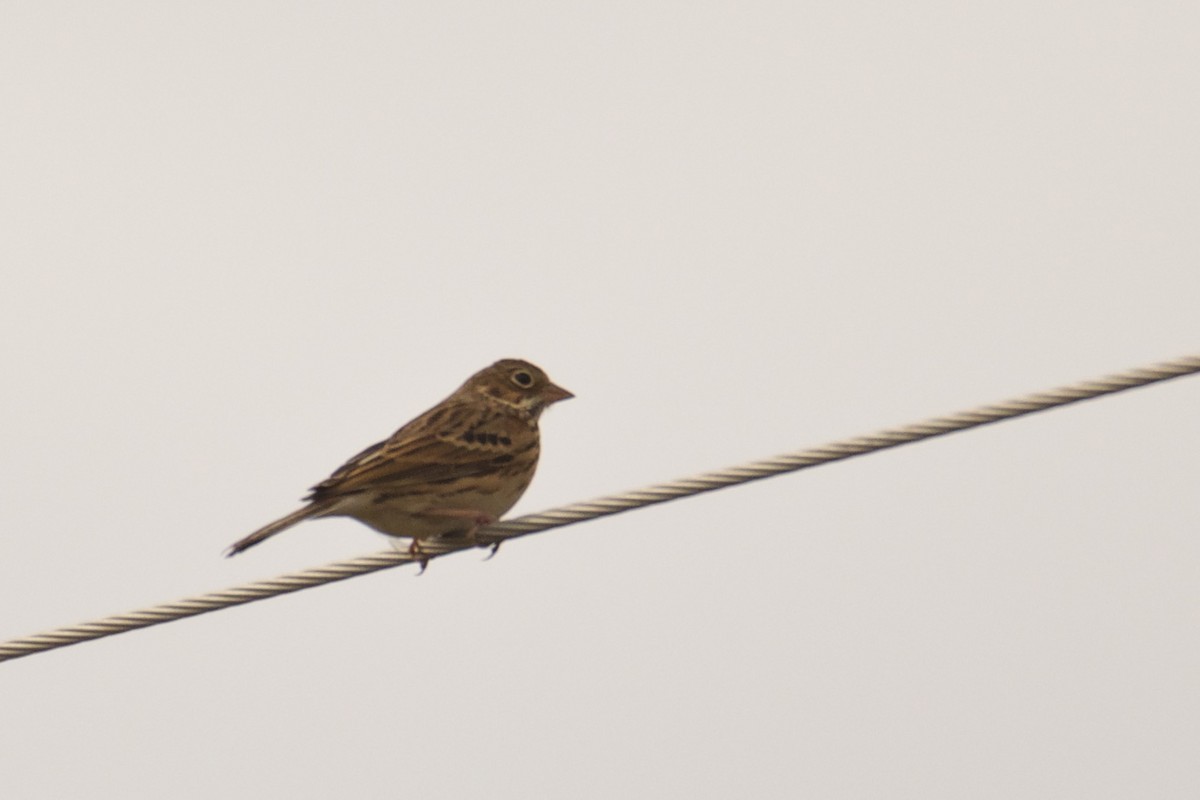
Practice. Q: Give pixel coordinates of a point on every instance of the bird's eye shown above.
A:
(522, 379)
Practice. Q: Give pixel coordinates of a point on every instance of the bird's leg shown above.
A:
(478, 519)
(415, 552)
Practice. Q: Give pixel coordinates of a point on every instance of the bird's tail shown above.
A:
(281, 524)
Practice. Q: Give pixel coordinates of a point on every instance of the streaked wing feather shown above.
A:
(426, 450)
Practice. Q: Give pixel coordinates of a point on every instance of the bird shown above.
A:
(457, 467)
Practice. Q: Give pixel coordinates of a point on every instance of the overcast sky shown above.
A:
(242, 241)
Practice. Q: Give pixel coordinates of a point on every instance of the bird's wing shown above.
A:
(444, 443)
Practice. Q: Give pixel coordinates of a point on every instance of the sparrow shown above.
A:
(454, 469)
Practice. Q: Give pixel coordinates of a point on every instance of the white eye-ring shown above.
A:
(523, 379)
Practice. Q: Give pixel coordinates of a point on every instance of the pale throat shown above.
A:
(525, 408)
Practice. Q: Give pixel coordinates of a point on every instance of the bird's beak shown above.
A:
(554, 393)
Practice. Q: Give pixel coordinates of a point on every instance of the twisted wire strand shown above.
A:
(603, 506)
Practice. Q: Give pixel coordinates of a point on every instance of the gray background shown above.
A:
(242, 241)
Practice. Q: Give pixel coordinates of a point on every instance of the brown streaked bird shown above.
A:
(460, 465)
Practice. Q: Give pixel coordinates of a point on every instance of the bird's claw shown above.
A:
(416, 553)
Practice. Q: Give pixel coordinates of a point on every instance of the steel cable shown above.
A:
(604, 506)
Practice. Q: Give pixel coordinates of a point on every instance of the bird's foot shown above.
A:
(417, 554)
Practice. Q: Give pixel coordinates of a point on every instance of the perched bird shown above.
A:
(457, 467)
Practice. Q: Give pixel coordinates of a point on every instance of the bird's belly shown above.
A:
(423, 516)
